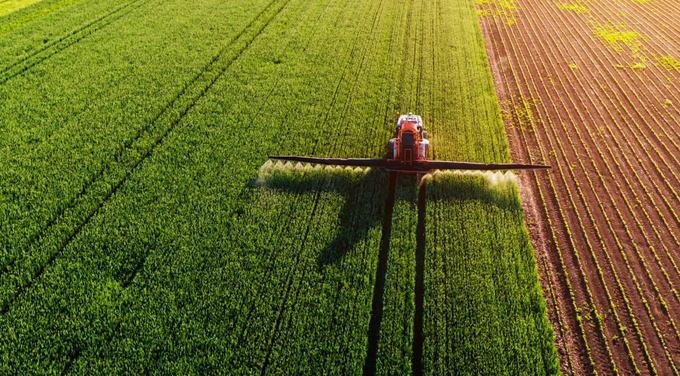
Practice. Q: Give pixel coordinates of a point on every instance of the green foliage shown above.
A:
(616, 34)
(396, 335)
(141, 231)
(502, 9)
(578, 7)
(669, 62)
(482, 281)
(638, 66)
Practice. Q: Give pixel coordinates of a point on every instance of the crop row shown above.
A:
(395, 351)
(656, 257)
(641, 228)
(91, 134)
(483, 309)
(181, 246)
(479, 262)
(612, 201)
(600, 203)
(455, 97)
(145, 235)
(27, 264)
(589, 300)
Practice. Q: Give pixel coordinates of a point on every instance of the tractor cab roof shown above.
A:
(415, 119)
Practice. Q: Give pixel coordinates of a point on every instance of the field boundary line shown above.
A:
(590, 184)
(550, 234)
(587, 294)
(584, 144)
(355, 52)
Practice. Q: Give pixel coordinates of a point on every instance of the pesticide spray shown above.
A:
(278, 170)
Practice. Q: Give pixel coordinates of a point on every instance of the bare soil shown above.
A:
(604, 221)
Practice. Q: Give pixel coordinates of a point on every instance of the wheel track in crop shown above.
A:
(351, 87)
(418, 340)
(417, 345)
(140, 263)
(274, 255)
(128, 144)
(4, 77)
(379, 287)
(59, 45)
(375, 323)
(283, 306)
(291, 271)
(419, 291)
(243, 40)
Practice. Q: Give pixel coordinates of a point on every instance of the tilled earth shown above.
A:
(592, 88)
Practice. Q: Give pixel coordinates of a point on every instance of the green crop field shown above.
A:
(142, 230)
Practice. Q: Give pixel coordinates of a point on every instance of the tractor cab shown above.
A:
(409, 143)
(410, 118)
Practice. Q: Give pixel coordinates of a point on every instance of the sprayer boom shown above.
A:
(415, 167)
(409, 149)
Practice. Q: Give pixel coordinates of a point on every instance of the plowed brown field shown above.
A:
(593, 89)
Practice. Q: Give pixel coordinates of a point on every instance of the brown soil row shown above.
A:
(605, 221)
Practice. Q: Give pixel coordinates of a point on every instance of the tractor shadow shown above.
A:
(369, 196)
(369, 199)
(364, 193)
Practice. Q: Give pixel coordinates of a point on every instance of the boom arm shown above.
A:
(419, 166)
(359, 162)
(445, 165)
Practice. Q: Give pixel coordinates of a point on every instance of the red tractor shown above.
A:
(410, 143)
